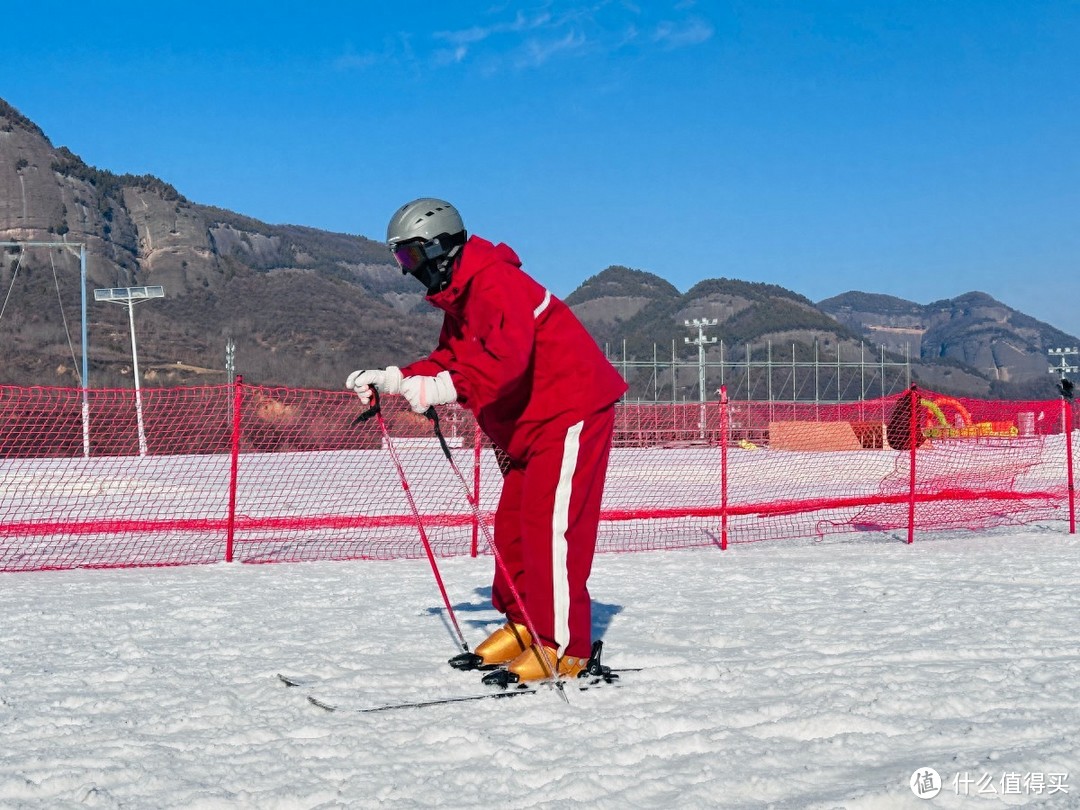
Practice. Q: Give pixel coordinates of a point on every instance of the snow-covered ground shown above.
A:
(791, 674)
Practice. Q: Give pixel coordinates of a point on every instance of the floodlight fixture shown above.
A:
(1064, 367)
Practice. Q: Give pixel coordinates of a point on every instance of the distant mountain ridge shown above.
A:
(975, 331)
(306, 306)
(642, 308)
(971, 344)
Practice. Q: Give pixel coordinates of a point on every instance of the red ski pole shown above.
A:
(376, 411)
(471, 660)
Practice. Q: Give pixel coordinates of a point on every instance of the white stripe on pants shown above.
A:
(560, 521)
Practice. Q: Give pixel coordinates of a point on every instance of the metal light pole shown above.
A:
(230, 370)
(701, 342)
(85, 362)
(130, 295)
(230, 360)
(1063, 369)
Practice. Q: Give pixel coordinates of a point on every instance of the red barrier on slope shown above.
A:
(259, 474)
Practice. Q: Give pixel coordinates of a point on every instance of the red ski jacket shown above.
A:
(519, 358)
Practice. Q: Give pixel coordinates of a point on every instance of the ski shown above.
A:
(594, 675)
(289, 680)
(589, 683)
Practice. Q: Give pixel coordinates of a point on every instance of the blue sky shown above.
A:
(918, 149)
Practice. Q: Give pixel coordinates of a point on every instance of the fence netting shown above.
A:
(174, 476)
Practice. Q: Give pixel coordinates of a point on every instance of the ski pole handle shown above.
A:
(433, 415)
(376, 406)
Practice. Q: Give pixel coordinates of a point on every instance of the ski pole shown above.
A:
(469, 661)
(376, 411)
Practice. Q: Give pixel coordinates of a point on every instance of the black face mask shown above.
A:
(431, 276)
(429, 262)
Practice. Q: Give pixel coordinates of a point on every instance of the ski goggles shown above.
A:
(410, 255)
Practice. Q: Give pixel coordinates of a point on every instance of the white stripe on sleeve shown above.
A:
(542, 305)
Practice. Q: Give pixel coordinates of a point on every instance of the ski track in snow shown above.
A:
(790, 674)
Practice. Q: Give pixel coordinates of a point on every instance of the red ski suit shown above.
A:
(544, 393)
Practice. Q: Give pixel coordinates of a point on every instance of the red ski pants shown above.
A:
(545, 531)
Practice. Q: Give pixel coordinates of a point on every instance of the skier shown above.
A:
(545, 395)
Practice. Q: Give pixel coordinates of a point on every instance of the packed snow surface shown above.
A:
(787, 674)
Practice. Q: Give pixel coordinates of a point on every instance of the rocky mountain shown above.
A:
(971, 344)
(305, 307)
(641, 318)
(966, 343)
(643, 309)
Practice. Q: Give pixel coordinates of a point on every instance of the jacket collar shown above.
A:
(477, 255)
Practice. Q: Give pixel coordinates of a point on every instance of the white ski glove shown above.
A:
(388, 381)
(423, 392)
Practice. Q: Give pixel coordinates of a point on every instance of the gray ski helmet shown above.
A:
(424, 219)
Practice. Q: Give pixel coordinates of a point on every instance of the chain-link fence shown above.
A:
(769, 373)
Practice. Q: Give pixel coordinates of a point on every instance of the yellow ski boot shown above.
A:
(504, 645)
(498, 649)
(528, 666)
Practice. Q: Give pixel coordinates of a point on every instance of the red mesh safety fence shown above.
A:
(256, 474)
(853, 467)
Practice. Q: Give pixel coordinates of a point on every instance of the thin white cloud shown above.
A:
(451, 56)
(479, 33)
(536, 52)
(682, 34)
(462, 41)
(628, 36)
(529, 40)
(467, 36)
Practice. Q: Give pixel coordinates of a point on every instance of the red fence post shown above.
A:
(913, 399)
(476, 492)
(1066, 406)
(230, 531)
(725, 426)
